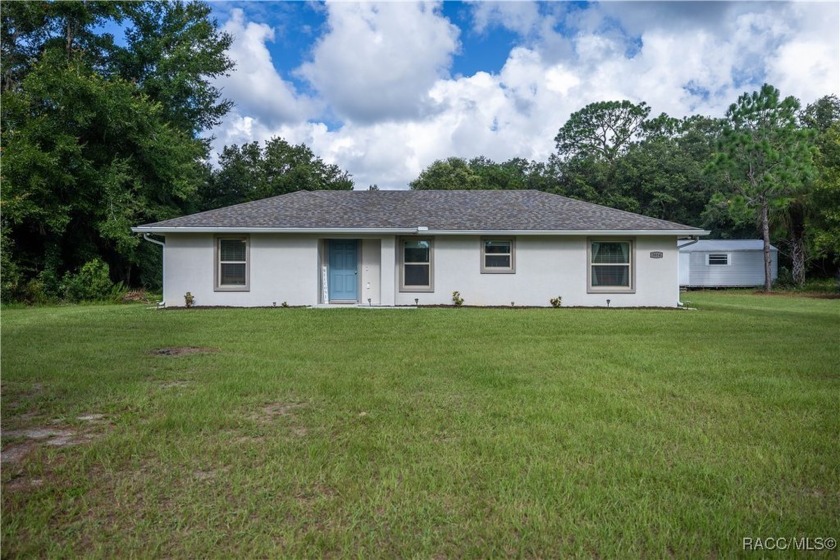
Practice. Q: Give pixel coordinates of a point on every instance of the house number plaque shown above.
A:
(656, 254)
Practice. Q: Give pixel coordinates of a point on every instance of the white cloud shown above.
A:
(378, 60)
(255, 86)
(522, 17)
(383, 70)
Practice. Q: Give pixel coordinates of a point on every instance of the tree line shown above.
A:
(769, 168)
(101, 133)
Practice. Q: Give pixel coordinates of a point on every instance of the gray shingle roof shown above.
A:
(519, 210)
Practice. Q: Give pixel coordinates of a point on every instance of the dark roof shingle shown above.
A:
(475, 210)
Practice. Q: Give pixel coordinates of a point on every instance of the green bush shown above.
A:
(91, 283)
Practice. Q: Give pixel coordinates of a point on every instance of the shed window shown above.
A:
(718, 259)
(610, 266)
(497, 255)
(232, 264)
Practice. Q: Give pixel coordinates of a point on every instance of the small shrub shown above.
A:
(119, 291)
(189, 299)
(35, 292)
(457, 299)
(91, 283)
(556, 302)
(284, 304)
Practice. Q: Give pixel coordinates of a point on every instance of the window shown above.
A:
(497, 256)
(610, 266)
(416, 265)
(232, 264)
(718, 259)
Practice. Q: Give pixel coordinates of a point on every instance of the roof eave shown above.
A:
(418, 231)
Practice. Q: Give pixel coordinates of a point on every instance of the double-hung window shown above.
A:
(610, 266)
(416, 265)
(232, 264)
(718, 259)
(497, 256)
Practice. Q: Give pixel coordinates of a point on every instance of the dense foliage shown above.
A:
(102, 133)
(98, 136)
(249, 172)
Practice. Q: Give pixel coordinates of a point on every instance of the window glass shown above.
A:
(416, 264)
(497, 255)
(611, 276)
(231, 250)
(612, 252)
(232, 265)
(610, 264)
(233, 274)
(416, 275)
(417, 251)
(497, 261)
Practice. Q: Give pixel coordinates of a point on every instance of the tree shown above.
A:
(603, 130)
(823, 217)
(173, 53)
(589, 147)
(450, 174)
(664, 172)
(765, 156)
(97, 137)
(249, 172)
(482, 173)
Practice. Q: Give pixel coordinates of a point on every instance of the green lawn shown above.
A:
(430, 433)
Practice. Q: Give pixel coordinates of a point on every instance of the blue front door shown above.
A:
(343, 277)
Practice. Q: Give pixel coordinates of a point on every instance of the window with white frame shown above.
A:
(717, 259)
(232, 264)
(416, 265)
(497, 256)
(610, 266)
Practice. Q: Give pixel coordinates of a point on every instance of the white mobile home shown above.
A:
(720, 263)
(404, 248)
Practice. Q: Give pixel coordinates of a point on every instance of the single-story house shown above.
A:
(403, 248)
(719, 263)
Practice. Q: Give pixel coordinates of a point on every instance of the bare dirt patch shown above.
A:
(282, 409)
(17, 452)
(23, 483)
(205, 474)
(285, 413)
(174, 384)
(34, 437)
(182, 350)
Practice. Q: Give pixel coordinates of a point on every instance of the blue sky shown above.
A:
(384, 89)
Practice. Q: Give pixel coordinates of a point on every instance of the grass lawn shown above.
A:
(430, 433)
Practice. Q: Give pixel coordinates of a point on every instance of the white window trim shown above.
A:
(401, 250)
(498, 269)
(631, 289)
(217, 264)
(728, 259)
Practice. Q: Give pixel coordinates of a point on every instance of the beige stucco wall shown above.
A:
(288, 268)
(546, 267)
(282, 268)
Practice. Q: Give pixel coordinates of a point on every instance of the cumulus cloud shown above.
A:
(383, 70)
(255, 86)
(520, 17)
(378, 61)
